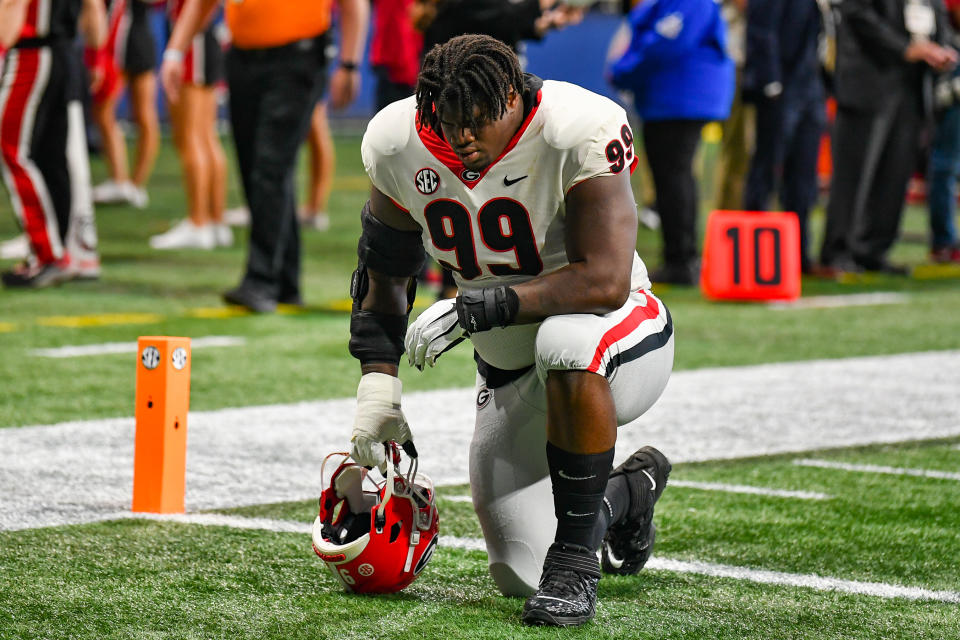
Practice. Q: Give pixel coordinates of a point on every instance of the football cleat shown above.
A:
(628, 544)
(376, 537)
(567, 594)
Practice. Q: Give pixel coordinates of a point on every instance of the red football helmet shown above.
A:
(376, 539)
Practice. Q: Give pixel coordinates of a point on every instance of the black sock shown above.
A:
(616, 501)
(579, 480)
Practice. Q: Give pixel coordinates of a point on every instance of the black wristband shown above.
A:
(482, 309)
(348, 65)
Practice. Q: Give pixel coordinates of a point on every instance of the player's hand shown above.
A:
(171, 74)
(379, 419)
(434, 332)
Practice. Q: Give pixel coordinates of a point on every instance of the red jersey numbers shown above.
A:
(504, 226)
(620, 154)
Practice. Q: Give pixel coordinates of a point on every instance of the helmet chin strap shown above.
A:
(410, 490)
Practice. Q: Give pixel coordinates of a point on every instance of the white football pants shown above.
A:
(509, 477)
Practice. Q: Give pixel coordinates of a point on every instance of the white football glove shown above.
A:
(378, 419)
(434, 332)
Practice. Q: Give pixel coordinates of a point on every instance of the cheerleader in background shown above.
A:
(128, 59)
(193, 117)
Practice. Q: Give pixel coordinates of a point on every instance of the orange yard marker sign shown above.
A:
(160, 449)
(751, 255)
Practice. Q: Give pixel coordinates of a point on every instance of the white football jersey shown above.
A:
(505, 224)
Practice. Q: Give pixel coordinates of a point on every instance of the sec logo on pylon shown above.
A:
(150, 357)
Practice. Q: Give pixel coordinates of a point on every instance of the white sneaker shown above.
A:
(110, 192)
(318, 221)
(136, 196)
(237, 217)
(185, 235)
(222, 234)
(86, 267)
(17, 248)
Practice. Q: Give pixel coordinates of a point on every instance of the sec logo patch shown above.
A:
(427, 181)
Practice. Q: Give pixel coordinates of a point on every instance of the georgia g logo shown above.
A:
(427, 181)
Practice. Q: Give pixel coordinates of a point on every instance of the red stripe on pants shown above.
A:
(623, 329)
(12, 119)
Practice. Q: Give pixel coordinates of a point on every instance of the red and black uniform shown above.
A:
(203, 59)
(130, 47)
(39, 78)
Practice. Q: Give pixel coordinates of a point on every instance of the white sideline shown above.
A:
(849, 300)
(740, 488)
(82, 471)
(104, 348)
(870, 468)
(811, 581)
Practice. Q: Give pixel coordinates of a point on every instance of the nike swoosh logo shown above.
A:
(508, 182)
(614, 561)
(580, 515)
(563, 475)
(653, 483)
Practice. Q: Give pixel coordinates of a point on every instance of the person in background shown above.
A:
(681, 77)
(132, 48)
(193, 118)
(323, 162)
(276, 72)
(738, 129)
(886, 51)
(782, 78)
(395, 49)
(509, 21)
(42, 141)
(944, 166)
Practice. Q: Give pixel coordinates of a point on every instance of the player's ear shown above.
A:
(513, 98)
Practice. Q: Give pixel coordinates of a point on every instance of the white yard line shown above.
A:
(870, 468)
(810, 581)
(849, 300)
(740, 488)
(74, 351)
(77, 472)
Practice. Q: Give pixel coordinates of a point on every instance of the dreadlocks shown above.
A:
(469, 75)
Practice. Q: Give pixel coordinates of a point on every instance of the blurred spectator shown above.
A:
(738, 128)
(275, 72)
(131, 48)
(42, 140)
(509, 21)
(193, 117)
(944, 166)
(782, 78)
(313, 214)
(395, 48)
(886, 50)
(681, 77)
